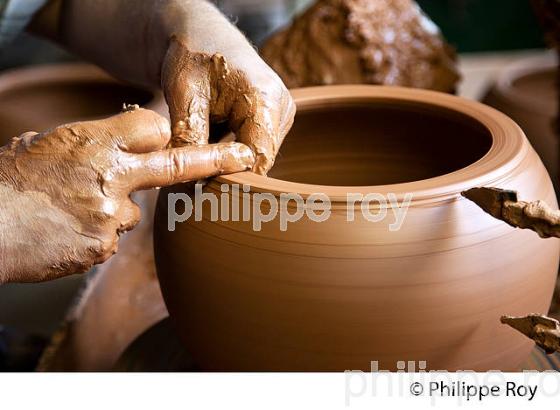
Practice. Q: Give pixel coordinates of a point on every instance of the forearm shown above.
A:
(132, 43)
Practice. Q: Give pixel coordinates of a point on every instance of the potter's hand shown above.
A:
(208, 70)
(65, 193)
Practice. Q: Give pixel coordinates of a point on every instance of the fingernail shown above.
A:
(177, 137)
(262, 165)
(239, 158)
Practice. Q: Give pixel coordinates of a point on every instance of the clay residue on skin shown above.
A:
(202, 89)
(390, 42)
(119, 302)
(36, 238)
(543, 330)
(504, 205)
(207, 69)
(66, 192)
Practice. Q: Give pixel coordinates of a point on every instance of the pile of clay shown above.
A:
(390, 42)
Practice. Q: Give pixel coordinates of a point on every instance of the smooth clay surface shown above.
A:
(337, 295)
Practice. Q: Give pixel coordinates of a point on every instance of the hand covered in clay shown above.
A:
(208, 71)
(65, 193)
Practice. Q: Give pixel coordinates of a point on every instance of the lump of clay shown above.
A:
(390, 42)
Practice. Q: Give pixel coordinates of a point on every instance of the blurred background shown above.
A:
(469, 25)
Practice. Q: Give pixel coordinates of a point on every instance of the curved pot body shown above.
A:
(526, 91)
(339, 294)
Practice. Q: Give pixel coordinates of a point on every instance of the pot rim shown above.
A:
(71, 72)
(52, 72)
(509, 146)
(505, 88)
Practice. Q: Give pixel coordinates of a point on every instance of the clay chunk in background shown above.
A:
(388, 42)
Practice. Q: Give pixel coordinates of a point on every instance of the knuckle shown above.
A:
(131, 218)
(108, 247)
(105, 248)
(176, 164)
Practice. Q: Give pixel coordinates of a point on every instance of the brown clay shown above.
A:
(98, 328)
(336, 295)
(504, 205)
(76, 180)
(390, 42)
(120, 302)
(545, 331)
(207, 69)
(219, 92)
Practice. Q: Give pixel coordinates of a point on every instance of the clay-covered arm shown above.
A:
(65, 193)
(206, 67)
(504, 205)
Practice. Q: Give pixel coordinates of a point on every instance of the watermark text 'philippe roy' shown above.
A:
(236, 203)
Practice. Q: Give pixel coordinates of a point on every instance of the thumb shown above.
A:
(191, 163)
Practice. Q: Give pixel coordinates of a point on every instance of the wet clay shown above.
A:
(97, 328)
(390, 42)
(504, 205)
(119, 302)
(217, 93)
(66, 192)
(333, 295)
(544, 331)
(207, 69)
(381, 145)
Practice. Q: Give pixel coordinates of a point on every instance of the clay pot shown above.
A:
(38, 98)
(337, 295)
(527, 92)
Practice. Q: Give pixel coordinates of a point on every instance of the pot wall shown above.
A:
(337, 295)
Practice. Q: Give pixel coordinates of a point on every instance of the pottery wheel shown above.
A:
(159, 350)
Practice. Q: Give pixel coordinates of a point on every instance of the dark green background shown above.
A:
(477, 25)
(469, 25)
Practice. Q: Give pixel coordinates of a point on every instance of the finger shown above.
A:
(29, 135)
(129, 216)
(26, 138)
(136, 131)
(266, 121)
(176, 165)
(186, 85)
